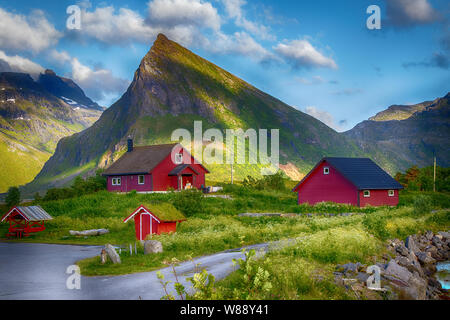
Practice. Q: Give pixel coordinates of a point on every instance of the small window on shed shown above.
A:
(178, 158)
(326, 170)
(366, 193)
(141, 179)
(116, 181)
(391, 193)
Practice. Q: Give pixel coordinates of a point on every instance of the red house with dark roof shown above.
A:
(355, 181)
(151, 168)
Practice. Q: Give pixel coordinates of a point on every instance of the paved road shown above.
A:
(38, 271)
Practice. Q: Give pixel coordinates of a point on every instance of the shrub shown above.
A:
(13, 197)
(422, 204)
(189, 202)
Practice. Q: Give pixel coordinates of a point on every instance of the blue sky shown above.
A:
(317, 56)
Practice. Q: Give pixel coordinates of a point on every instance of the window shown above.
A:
(326, 170)
(178, 158)
(116, 181)
(366, 193)
(391, 193)
(141, 179)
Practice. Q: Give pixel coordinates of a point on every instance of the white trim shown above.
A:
(116, 183)
(368, 193)
(11, 211)
(139, 209)
(179, 158)
(391, 193)
(143, 179)
(326, 170)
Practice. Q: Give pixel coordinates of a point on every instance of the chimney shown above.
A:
(130, 144)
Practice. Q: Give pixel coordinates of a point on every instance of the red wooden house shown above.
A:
(154, 219)
(155, 168)
(355, 181)
(25, 220)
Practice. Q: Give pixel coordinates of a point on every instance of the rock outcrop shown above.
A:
(407, 272)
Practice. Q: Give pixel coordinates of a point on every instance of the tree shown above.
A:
(13, 197)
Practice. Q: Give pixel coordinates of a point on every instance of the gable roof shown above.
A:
(180, 168)
(164, 212)
(363, 173)
(141, 160)
(32, 213)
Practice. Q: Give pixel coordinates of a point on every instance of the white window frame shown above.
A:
(326, 170)
(391, 193)
(366, 195)
(116, 181)
(143, 179)
(178, 158)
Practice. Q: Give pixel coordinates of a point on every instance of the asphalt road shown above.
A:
(38, 271)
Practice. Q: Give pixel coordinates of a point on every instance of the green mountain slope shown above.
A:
(423, 129)
(32, 121)
(173, 87)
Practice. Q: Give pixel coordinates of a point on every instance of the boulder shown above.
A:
(425, 258)
(445, 235)
(401, 249)
(411, 244)
(429, 235)
(112, 254)
(152, 246)
(407, 285)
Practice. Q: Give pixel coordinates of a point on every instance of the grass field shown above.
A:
(297, 272)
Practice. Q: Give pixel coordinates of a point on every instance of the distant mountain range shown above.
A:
(34, 116)
(408, 135)
(173, 87)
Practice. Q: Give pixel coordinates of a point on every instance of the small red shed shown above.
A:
(354, 181)
(25, 220)
(155, 219)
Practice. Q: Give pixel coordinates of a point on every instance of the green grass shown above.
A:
(301, 271)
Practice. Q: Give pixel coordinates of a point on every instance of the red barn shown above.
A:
(355, 181)
(155, 219)
(151, 168)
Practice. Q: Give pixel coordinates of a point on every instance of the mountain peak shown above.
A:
(50, 72)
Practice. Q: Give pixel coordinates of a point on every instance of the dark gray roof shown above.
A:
(178, 169)
(141, 160)
(32, 213)
(364, 173)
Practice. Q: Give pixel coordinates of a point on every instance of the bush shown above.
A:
(271, 182)
(79, 187)
(189, 202)
(13, 197)
(422, 204)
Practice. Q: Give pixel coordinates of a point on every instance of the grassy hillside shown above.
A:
(32, 121)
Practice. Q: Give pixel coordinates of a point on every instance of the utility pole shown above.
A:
(434, 175)
(231, 173)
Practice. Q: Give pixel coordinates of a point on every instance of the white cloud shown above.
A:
(243, 44)
(173, 13)
(98, 84)
(303, 55)
(325, 117)
(410, 12)
(111, 27)
(19, 64)
(235, 11)
(33, 33)
(60, 57)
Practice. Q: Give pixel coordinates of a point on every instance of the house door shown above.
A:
(148, 226)
(188, 180)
